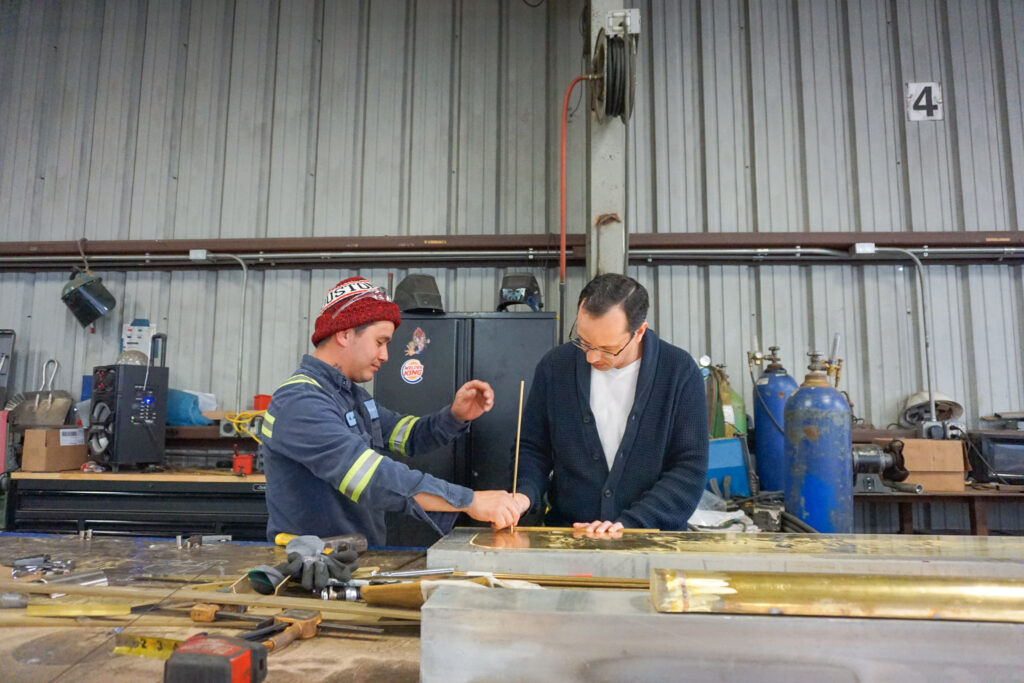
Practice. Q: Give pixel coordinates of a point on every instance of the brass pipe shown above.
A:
(838, 595)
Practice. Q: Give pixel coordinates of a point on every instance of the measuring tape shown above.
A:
(145, 646)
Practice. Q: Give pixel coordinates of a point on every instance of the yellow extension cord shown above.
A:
(241, 422)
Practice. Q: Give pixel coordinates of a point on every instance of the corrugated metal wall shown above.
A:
(126, 119)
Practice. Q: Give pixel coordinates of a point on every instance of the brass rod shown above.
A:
(519, 426)
(838, 595)
(330, 608)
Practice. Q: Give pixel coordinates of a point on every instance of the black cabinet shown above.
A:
(431, 356)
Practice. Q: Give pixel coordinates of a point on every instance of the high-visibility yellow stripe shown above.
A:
(395, 432)
(399, 438)
(366, 479)
(356, 472)
(267, 431)
(268, 418)
(299, 379)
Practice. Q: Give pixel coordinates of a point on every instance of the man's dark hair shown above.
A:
(611, 289)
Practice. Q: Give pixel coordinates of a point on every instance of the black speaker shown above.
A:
(128, 418)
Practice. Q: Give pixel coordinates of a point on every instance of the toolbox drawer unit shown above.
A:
(150, 505)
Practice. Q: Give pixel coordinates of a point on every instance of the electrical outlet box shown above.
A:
(137, 336)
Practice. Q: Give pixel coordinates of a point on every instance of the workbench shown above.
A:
(30, 653)
(160, 504)
(977, 503)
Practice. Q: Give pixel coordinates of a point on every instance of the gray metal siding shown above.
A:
(253, 118)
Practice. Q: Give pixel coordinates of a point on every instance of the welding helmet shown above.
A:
(87, 298)
(916, 408)
(520, 288)
(418, 294)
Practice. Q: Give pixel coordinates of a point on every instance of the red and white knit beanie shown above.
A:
(353, 302)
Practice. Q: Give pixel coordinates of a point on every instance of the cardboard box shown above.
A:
(938, 466)
(53, 450)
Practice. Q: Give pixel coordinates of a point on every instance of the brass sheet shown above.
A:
(838, 595)
(876, 545)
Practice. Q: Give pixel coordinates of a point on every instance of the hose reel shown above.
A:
(612, 93)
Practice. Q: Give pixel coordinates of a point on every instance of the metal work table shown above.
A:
(589, 635)
(29, 653)
(977, 505)
(635, 554)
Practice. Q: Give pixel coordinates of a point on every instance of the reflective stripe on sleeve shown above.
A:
(400, 434)
(300, 379)
(359, 475)
(267, 429)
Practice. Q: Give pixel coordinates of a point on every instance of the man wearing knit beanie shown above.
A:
(332, 455)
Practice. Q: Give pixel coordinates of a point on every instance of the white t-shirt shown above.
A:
(611, 399)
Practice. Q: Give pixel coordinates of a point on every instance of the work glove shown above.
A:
(318, 570)
(308, 564)
(265, 579)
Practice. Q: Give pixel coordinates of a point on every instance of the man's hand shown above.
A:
(598, 527)
(523, 501)
(473, 399)
(497, 507)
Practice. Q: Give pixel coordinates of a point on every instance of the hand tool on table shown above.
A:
(198, 540)
(356, 542)
(284, 629)
(41, 565)
(13, 600)
(204, 612)
(216, 658)
(394, 594)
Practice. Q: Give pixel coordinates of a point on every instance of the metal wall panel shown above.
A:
(247, 153)
(155, 183)
(236, 118)
(399, 117)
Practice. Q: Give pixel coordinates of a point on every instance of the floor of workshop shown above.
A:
(85, 652)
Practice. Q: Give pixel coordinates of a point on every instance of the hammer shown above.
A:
(331, 543)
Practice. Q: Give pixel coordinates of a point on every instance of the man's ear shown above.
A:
(342, 338)
(640, 330)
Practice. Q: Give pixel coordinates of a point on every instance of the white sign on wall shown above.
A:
(924, 102)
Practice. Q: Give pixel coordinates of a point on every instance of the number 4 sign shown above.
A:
(924, 102)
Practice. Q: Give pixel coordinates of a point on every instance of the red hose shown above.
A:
(565, 122)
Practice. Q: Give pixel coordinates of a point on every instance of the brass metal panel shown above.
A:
(856, 545)
(838, 595)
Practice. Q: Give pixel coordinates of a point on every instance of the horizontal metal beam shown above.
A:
(511, 250)
(440, 250)
(841, 241)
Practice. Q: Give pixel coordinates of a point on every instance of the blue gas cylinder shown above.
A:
(773, 387)
(819, 451)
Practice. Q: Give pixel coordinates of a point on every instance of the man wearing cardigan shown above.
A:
(615, 428)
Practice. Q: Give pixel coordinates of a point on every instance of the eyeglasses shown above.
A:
(587, 348)
(377, 293)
